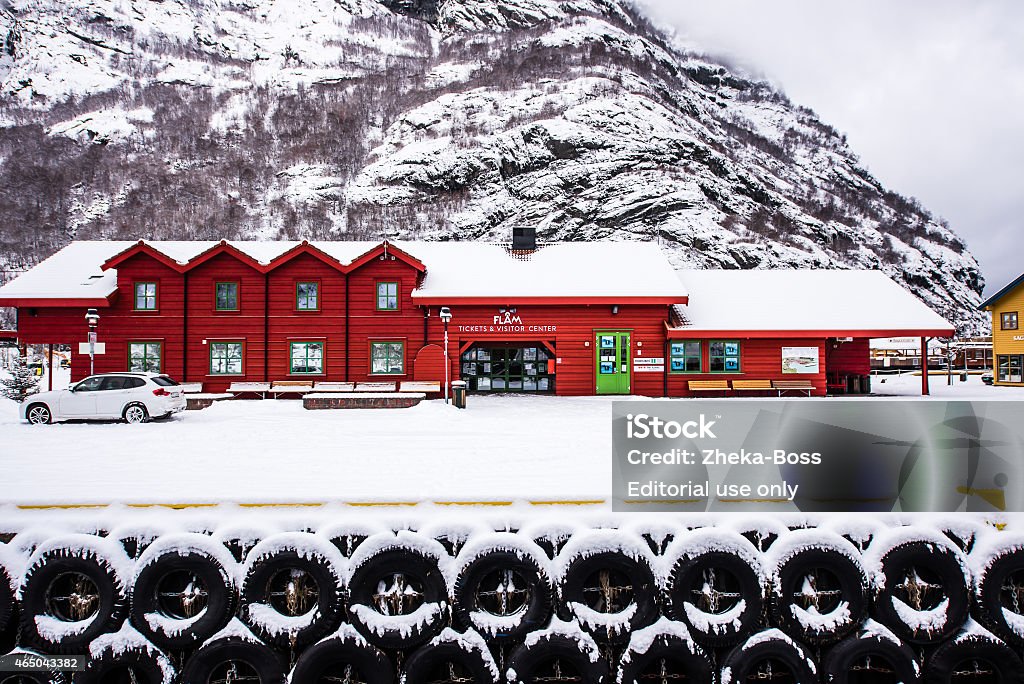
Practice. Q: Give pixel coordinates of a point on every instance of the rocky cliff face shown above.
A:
(441, 119)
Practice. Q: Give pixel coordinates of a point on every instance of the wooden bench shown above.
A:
(708, 385)
(192, 387)
(793, 386)
(752, 385)
(198, 400)
(365, 400)
(376, 387)
(334, 387)
(280, 387)
(260, 388)
(420, 386)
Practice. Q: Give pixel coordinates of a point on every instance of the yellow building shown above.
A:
(1006, 306)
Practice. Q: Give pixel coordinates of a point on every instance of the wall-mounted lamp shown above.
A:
(445, 314)
(615, 309)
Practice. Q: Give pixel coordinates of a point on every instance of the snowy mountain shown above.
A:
(436, 119)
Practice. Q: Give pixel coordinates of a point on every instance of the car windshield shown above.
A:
(164, 381)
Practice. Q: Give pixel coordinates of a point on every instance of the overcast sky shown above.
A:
(929, 92)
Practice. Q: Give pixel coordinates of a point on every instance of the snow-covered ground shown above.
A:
(502, 448)
(278, 451)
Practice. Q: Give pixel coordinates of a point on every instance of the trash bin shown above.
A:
(459, 393)
(963, 377)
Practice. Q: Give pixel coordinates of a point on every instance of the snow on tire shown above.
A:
(769, 656)
(504, 587)
(345, 656)
(450, 658)
(233, 659)
(761, 531)
(858, 530)
(819, 586)
(73, 591)
(716, 585)
(974, 655)
(398, 597)
(125, 656)
(292, 589)
(183, 591)
(999, 586)
(664, 652)
(605, 579)
(920, 580)
(561, 653)
(872, 654)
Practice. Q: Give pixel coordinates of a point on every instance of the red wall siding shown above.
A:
(121, 324)
(289, 325)
(760, 359)
(851, 358)
(206, 324)
(53, 326)
(366, 323)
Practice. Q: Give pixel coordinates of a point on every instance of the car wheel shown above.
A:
(39, 414)
(136, 413)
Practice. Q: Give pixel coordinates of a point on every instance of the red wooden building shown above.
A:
(569, 318)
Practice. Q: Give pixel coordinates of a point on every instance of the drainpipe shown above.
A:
(924, 366)
(667, 359)
(426, 318)
(184, 331)
(266, 327)
(347, 350)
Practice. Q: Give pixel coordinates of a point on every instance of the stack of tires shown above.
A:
(906, 604)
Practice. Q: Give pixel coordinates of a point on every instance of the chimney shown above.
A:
(524, 239)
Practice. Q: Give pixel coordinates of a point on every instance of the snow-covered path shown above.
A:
(253, 451)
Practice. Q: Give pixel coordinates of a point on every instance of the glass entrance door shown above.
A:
(509, 368)
(612, 361)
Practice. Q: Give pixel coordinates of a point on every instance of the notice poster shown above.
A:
(800, 360)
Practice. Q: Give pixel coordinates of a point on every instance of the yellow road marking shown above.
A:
(570, 502)
(312, 504)
(667, 502)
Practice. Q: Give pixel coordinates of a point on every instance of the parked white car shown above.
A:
(133, 397)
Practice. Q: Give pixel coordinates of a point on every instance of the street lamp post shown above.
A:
(92, 317)
(446, 317)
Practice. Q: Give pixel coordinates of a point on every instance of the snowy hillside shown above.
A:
(438, 119)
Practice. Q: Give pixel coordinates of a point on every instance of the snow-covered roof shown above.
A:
(72, 273)
(597, 271)
(843, 302)
(261, 251)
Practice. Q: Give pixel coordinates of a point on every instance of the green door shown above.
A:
(612, 362)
